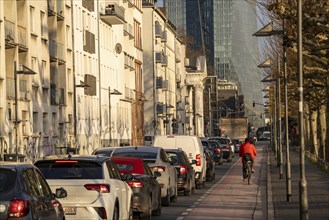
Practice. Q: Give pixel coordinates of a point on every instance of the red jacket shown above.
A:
(247, 147)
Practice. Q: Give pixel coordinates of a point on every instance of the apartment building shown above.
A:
(36, 76)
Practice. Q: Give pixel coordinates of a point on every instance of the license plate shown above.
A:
(70, 210)
(225, 150)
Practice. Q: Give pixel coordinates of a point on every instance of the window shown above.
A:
(43, 24)
(43, 71)
(35, 123)
(32, 11)
(44, 188)
(31, 182)
(44, 122)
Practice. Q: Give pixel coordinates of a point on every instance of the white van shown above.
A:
(192, 146)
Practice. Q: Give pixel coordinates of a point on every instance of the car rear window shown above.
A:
(139, 154)
(7, 180)
(70, 169)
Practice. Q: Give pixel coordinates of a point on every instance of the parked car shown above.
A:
(193, 147)
(157, 160)
(265, 136)
(185, 171)
(217, 151)
(237, 143)
(94, 186)
(226, 146)
(146, 189)
(25, 194)
(210, 164)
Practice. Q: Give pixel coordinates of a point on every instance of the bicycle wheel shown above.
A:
(249, 173)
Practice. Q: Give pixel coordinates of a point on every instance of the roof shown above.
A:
(97, 158)
(137, 164)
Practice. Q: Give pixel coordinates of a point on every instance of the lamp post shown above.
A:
(303, 200)
(114, 92)
(268, 31)
(24, 71)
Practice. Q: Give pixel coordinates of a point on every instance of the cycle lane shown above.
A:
(231, 198)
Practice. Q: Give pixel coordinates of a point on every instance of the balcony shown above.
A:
(161, 108)
(61, 96)
(22, 40)
(161, 84)
(53, 50)
(128, 30)
(112, 13)
(10, 34)
(51, 8)
(60, 10)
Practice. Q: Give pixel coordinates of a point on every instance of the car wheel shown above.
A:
(166, 199)
(157, 211)
(115, 213)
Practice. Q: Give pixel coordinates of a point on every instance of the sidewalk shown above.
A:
(317, 189)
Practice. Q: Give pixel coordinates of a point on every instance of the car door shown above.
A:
(153, 185)
(47, 199)
(171, 169)
(39, 202)
(121, 188)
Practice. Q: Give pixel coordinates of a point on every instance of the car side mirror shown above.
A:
(156, 174)
(60, 193)
(127, 177)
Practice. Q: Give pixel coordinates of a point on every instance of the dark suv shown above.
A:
(185, 170)
(226, 146)
(217, 151)
(25, 194)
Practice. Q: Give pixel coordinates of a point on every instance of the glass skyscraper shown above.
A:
(226, 34)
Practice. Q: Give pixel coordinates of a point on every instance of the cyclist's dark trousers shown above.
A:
(246, 157)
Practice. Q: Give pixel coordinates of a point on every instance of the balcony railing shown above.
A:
(53, 49)
(112, 13)
(22, 40)
(9, 32)
(61, 96)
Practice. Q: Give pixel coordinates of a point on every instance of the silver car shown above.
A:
(157, 160)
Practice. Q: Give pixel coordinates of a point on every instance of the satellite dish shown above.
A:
(118, 48)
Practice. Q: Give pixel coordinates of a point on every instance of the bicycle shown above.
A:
(248, 170)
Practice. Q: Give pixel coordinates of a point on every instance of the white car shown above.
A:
(93, 185)
(157, 160)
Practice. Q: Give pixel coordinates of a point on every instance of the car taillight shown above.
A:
(102, 188)
(217, 150)
(135, 184)
(55, 203)
(159, 168)
(182, 169)
(198, 160)
(18, 208)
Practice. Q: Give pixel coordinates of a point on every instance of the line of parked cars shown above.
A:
(112, 183)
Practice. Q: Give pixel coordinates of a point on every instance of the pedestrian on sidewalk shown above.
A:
(247, 152)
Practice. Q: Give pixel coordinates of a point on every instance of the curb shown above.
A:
(270, 209)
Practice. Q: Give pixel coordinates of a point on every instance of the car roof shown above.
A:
(15, 165)
(138, 148)
(98, 158)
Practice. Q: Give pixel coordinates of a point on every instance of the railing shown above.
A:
(61, 96)
(9, 31)
(52, 48)
(21, 36)
(10, 87)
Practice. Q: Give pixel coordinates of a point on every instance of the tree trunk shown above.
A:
(314, 133)
(323, 131)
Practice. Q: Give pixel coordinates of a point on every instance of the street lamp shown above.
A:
(24, 71)
(114, 92)
(269, 31)
(303, 201)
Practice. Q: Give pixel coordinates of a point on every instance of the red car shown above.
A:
(146, 189)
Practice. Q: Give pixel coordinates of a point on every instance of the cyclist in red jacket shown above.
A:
(247, 152)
